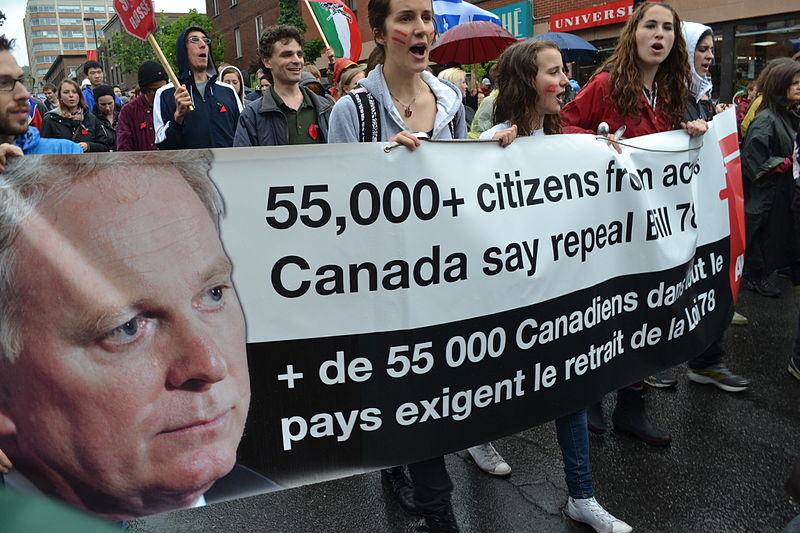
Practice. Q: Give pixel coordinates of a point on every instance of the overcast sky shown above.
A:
(15, 11)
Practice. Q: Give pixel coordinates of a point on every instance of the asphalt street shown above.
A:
(724, 471)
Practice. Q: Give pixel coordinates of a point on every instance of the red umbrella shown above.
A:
(471, 42)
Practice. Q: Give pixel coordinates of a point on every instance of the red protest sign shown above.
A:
(137, 17)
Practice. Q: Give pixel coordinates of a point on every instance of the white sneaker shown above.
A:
(588, 511)
(488, 460)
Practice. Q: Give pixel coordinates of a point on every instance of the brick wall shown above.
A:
(242, 15)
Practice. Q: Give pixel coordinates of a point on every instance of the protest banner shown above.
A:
(398, 305)
(404, 305)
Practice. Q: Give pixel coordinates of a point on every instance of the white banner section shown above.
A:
(347, 239)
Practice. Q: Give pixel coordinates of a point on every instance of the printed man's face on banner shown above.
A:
(130, 392)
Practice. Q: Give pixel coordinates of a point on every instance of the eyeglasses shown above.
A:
(7, 83)
(196, 39)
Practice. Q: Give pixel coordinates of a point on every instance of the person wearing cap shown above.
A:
(203, 111)
(135, 131)
(107, 111)
(287, 113)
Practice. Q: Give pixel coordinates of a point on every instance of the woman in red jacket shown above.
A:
(643, 87)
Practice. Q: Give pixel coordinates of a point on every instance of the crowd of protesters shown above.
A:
(657, 79)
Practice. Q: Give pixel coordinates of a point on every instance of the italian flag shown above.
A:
(339, 25)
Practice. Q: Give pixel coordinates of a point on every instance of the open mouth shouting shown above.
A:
(657, 47)
(419, 51)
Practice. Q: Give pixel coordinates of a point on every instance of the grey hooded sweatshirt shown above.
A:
(344, 125)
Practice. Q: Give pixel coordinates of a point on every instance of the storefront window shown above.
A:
(756, 44)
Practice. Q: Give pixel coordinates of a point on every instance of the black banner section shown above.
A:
(328, 407)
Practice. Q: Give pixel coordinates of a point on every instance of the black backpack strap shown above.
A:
(369, 123)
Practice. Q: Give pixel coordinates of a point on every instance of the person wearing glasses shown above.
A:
(16, 136)
(135, 130)
(203, 111)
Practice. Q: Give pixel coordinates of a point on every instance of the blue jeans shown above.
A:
(573, 438)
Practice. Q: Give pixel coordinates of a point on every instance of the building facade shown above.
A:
(58, 27)
(64, 66)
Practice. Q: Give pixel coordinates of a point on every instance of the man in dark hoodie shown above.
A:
(288, 112)
(212, 123)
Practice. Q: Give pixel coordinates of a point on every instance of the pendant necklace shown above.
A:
(407, 112)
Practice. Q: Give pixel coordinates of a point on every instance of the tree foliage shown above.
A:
(2, 18)
(312, 50)
(290, 14)
(128, 52)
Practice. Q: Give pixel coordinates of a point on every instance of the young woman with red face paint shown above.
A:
(532, 83)
(406, 99)
(409, 99)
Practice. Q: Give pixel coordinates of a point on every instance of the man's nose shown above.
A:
(20, 91)
(196, 361)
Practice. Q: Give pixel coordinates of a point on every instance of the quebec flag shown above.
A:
(449, 13)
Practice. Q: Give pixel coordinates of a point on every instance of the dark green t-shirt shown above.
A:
(303, 127)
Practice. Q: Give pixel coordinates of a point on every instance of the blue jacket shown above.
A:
(32, 143)
(88, 95)
(212, 124)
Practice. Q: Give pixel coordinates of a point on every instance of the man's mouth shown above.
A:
(206, 423)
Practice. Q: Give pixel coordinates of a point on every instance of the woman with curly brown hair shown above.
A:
(642, 87)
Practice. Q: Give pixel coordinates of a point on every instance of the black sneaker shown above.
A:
(763, 286)
(720, 376)
(661, 380)
(794, 367)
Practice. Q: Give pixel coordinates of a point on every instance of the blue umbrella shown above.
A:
(573, 48)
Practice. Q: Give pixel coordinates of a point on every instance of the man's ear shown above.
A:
(265, 63)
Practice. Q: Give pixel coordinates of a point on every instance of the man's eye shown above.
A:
(213, 296)
(127, 333)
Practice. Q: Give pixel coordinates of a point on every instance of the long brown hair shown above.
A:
(776, 82)
(673, 75)
(516, 77)
(81, 100)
